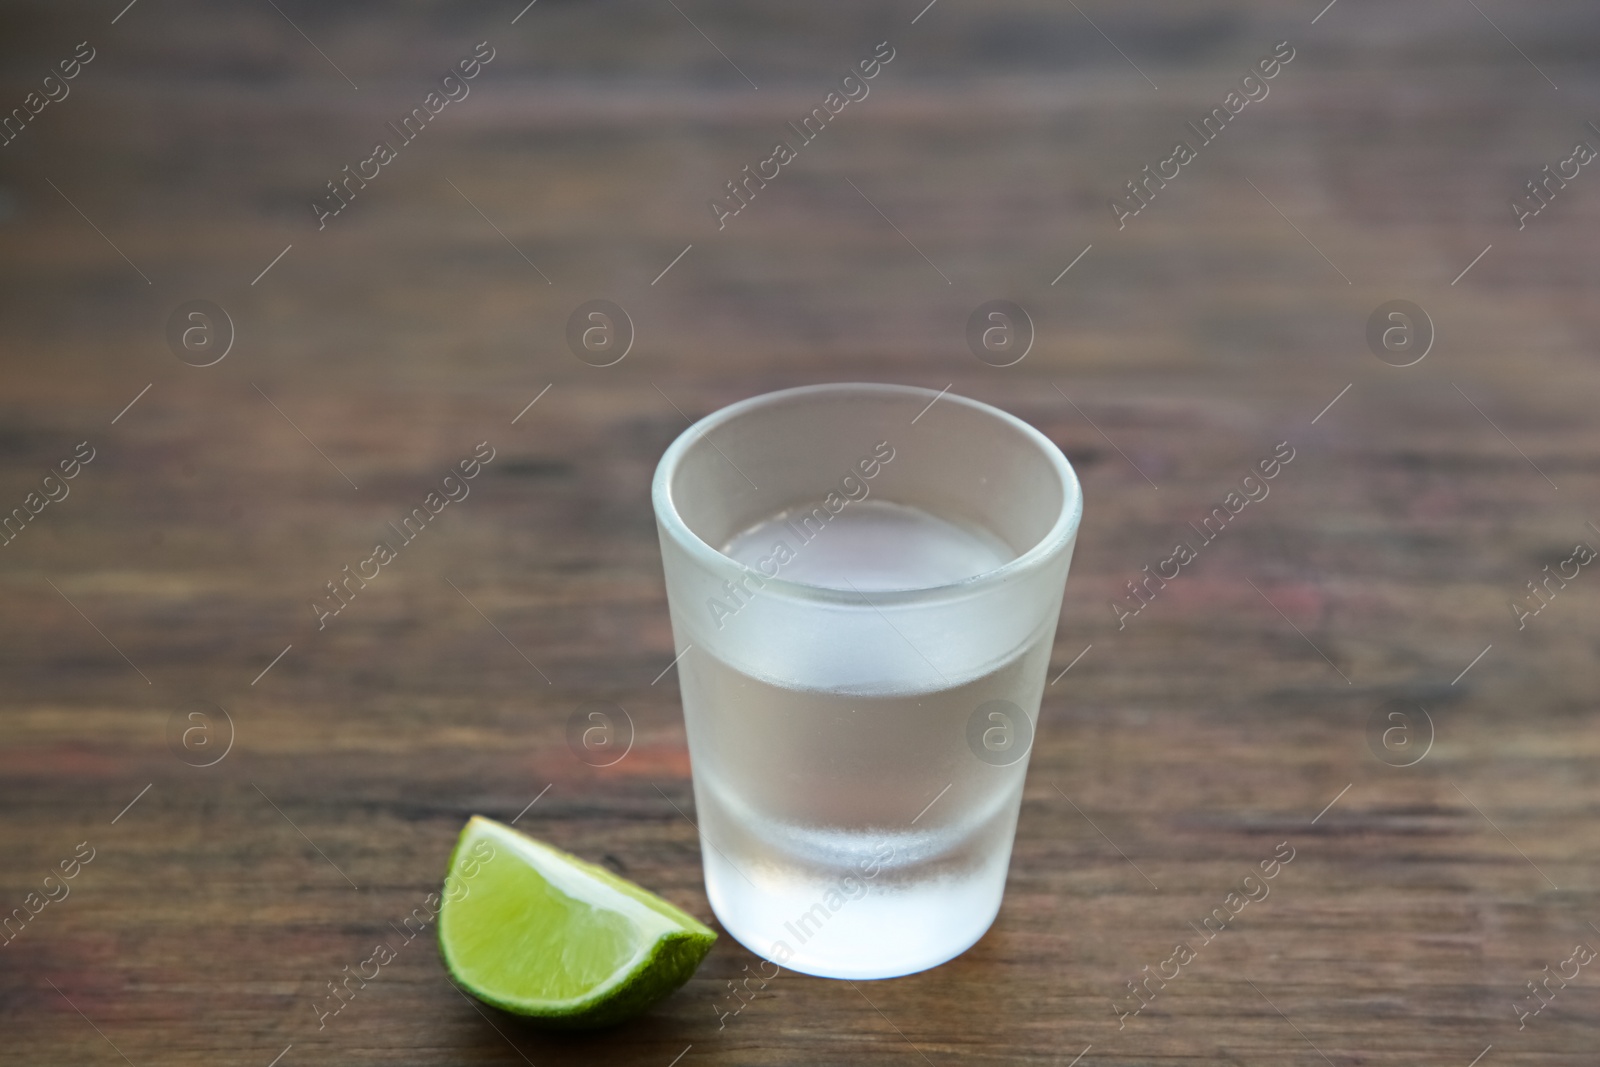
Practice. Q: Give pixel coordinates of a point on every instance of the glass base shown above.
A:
(883, 932)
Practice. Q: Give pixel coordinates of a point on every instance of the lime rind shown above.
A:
(668, 944)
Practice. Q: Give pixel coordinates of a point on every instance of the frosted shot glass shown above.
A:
(863, 582)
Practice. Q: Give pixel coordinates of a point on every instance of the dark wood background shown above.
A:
(1218, 724)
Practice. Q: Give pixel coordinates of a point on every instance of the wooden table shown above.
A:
(1234, 713)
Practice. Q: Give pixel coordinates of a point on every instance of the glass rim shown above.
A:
(1056, 539)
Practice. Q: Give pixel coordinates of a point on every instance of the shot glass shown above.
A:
(864, 582)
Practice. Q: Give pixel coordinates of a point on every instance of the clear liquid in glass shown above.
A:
(849, 830)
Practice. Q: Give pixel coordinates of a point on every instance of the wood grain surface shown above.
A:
(1233, 713)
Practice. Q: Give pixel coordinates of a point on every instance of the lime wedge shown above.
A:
(535, 931)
